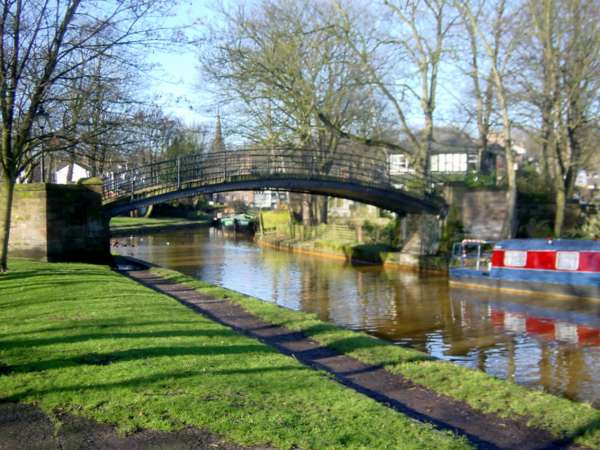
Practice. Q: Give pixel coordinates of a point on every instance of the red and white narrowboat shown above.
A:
(568, 267)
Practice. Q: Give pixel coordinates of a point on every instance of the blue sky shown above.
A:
(175, 81)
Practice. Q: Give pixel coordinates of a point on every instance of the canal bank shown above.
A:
(112, 351)
(459, 393)
(82, 340)
(505, 336)
(324, 350)
(372, 240)
(374, 254)
(126, 226)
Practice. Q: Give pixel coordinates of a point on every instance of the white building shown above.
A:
(269, 199)
(79, 172)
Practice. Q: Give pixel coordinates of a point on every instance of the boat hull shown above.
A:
(545, 283)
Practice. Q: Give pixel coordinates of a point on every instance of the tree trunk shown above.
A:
(324, 209)
(511, 201)
(7, 188)
(511, 177)
(148, 211)
(559, 216)
(314, 209)
(306, 212)
(50, 169)
(421, 161)
(71, 168)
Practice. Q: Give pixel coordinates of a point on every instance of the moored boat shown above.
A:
(236, 223)
(568, 267)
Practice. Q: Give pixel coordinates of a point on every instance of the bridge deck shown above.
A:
(346, 175)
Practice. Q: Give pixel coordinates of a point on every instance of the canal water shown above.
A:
(537, 342)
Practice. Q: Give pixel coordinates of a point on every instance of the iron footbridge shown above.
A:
(349, 174)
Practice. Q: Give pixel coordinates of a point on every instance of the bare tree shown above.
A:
(499, 38)
(480, 103)
(561, 82)
(286, 64)
(42, 44)
(401, 59)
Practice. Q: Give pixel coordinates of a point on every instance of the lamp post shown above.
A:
(44, 116)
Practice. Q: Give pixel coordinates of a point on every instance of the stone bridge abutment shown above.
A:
(54, 222)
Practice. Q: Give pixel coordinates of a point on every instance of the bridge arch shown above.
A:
(344, 174)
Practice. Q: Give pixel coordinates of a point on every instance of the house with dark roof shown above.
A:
(453, 152)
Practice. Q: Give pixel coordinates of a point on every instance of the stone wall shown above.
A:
(420, 234)
(59, 223)
(482, 211)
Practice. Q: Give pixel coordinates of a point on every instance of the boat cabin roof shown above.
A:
(574, 245)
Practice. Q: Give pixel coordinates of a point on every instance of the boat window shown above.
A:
(567, 260)
(515, 258)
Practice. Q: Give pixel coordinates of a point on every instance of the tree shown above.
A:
(285, 64)
(561, 83)
(499, 40)
(480, 75)
(401, 59)
(186, 141)
(43, 44)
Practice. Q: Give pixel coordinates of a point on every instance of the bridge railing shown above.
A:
(255, 164)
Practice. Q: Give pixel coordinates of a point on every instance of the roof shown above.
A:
(448, 140)
(75, 165)
(575, 245)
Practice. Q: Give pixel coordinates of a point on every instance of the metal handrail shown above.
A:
(345, 165)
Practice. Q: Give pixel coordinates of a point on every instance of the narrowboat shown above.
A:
(237, 223)
(563, 267)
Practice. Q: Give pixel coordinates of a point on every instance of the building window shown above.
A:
(449, 162)
(472, 161)
(515, 258)
(567, 260)
(398, 164)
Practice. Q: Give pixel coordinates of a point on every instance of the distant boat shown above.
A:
(567, 267)
(237, 222)
(227, 222)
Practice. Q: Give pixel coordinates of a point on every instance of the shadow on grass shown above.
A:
(67, 295)
(27, 343)
(31, 289)
(592, 428)
(32, 274)
(139, 354)
(138, 382)
(95, 324)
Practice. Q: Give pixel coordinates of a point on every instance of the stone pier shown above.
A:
(52, 222)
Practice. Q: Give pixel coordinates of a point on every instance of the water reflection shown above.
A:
(541, 343)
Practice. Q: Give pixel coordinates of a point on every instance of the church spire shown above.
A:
(218, 144)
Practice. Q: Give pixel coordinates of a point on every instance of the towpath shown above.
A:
(485, 431)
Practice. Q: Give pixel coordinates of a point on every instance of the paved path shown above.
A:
(486, 431)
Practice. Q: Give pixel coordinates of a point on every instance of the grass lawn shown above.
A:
(132, 223)
(88, 341)
(561, 417)
(275, 218)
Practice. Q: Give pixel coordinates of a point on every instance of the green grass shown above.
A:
(275, 218)
(133, 223)
(88, 341)
(561, 417)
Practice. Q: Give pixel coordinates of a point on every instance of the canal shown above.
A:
(537, 342)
